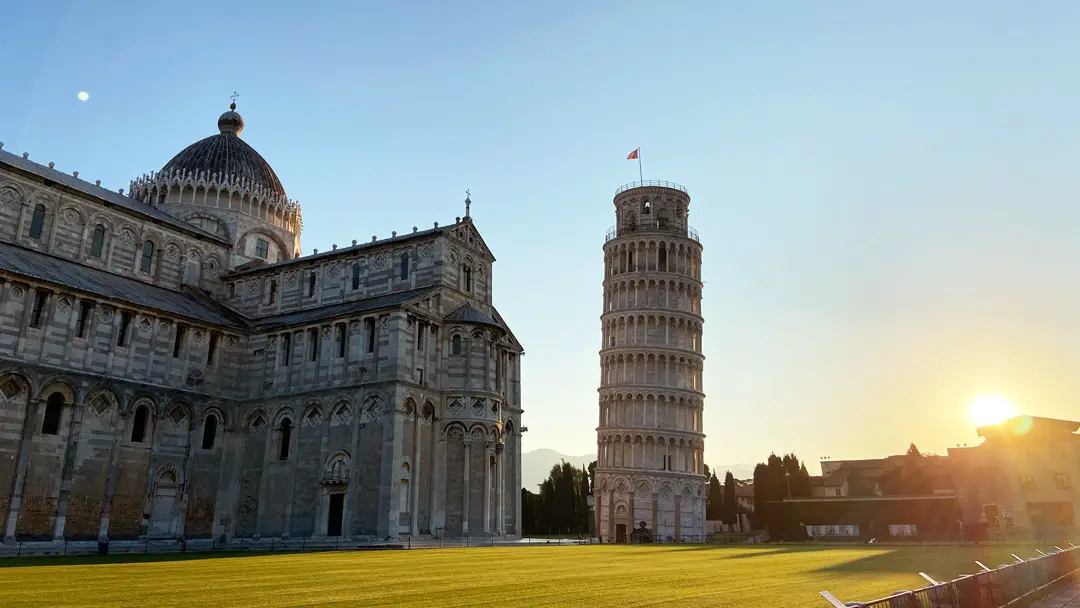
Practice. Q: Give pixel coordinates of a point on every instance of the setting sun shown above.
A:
(991, 409)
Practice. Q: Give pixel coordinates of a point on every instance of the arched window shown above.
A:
(146, 264)
(97, 244)
(403, 497)
(209, 433)
(468, 278)
(356, 276)
(192, 272)
(54, 410)
(138, 425)
(404, 266)
(37, 222)
(311, 285)
(455, 345)
(286, 438)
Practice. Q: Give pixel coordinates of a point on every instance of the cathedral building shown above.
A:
(171, 366)
(650, 474)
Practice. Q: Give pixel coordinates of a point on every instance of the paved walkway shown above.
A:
(1068, 597)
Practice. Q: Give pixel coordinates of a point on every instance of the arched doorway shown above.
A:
(335, 487)
(163, 509)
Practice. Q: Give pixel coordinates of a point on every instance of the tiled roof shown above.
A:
(502, 323)
(50, 269)
(340, 251)
(225, 154)
(467, 313)
(114, 198)
(309, 315)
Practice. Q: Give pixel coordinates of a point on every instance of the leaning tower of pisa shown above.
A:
(650, 472)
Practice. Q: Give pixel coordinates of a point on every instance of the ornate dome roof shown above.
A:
(226, 155)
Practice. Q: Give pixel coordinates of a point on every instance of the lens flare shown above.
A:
(991, 409)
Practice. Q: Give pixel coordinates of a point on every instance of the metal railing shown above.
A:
(650, 182)
(990, 588)
(614, 231)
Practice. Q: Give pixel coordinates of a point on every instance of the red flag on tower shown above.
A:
(633, 154)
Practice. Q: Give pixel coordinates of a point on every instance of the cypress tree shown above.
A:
(730, 514)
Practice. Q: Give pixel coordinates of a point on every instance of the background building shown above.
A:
(650, 469)
(1019, 482)
(1016, 485)
(171, 366)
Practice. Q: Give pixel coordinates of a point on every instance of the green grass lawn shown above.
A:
(623, 576)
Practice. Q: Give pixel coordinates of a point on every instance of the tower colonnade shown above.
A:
(650, 476)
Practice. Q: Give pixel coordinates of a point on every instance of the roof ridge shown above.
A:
(118, 199)
(56, 270)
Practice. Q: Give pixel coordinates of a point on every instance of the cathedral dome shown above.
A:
(226, 155)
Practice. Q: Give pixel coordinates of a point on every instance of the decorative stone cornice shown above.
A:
(144, 188)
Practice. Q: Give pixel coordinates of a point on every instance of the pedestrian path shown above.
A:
(1066, 597)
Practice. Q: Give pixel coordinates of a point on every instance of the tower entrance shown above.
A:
(334, 514)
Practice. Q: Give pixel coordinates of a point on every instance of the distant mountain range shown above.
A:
(536, 465)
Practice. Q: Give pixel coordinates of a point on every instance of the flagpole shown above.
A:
(639, 174)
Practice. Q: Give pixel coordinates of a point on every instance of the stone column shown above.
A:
(465, 498)
(32, 406)
(678, 517)
(611, 516)
(393, 440)
(22, 222)
(228, 490)
(110, 483)
(322, 503)
(500, 489)
(352, 492)
(290, 491)
(630, 510)
(438, 481)
(655, 500)
(68, 469)
(268, 451)
(73, 320)
(467, 351)
(414, 474)
(517, 481)
(180, 519)
(598, 511)
(487, 488)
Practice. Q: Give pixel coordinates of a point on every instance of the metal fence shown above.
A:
(650, 182)
(990, 588)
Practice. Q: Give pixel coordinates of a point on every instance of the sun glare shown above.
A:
(991, 409)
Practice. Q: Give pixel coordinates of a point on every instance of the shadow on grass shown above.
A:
(940, 562)
(753, 550)
(126, 558)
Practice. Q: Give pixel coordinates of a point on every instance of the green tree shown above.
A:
(561, 505)
(730, 514)
(530, 513)
(714, 502)
(761, 488)
(776, 480)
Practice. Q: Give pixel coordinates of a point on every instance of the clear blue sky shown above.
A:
(889, 197)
